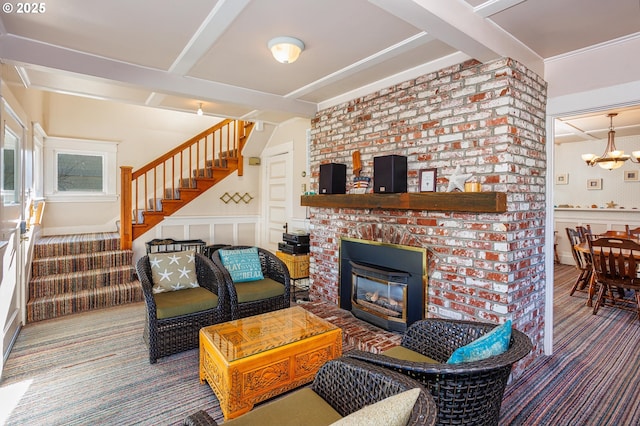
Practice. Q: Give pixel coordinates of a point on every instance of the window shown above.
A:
(9, 161)
(82, 173)
(80, 170)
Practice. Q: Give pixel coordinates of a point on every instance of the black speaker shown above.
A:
(390, 174)
(333, 178)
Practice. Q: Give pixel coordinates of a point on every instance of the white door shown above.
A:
(277, 207)
(12, 298)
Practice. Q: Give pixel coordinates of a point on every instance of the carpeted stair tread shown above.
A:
(53, 306)
(83, 280)
(61, 245)
(77, 273)
(80, 262)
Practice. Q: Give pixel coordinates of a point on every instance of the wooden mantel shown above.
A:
(474, 202)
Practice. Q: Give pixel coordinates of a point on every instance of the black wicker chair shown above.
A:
(465, 393)
(273, 268)
(168, 336)
(348, 385)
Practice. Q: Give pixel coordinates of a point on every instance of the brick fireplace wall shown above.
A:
(489, 119)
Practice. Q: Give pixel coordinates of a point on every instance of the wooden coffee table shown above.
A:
(252, 359)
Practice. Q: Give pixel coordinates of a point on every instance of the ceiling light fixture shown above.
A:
(612, 158)
(199, 112)
(285, 49)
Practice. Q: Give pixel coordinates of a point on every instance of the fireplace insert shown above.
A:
(382, 283)
(379, 295)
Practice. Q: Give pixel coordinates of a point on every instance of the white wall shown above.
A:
(614, 188)
(607, 65)
(142, 133)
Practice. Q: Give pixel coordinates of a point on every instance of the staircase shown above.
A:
(77, 273)
(174, 179)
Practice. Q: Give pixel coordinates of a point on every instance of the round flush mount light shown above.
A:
(285, 49)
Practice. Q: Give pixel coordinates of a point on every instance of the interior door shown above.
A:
(277, 207)
(11, 292)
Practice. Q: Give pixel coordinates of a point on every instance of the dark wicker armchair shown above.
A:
(465, 393)
(167, 336)
(347, 385)
(240, 299)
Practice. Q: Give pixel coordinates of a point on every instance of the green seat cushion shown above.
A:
(258, 290)
(177, 303)
(301, 407)
(400, 352)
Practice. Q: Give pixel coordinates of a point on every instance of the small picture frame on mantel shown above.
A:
(594, 184)
(427, 181)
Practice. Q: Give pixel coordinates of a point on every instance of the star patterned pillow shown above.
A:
(173, 271)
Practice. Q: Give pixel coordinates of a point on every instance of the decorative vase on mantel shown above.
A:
(360, 184)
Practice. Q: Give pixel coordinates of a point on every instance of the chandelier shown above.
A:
(612, 158)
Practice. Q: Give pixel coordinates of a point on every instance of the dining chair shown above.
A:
(616, 266)
(581, 259)
(633, 232)
(584, 232)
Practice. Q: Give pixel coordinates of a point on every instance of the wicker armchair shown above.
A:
(167, 336)
(347, 385)
(272, 268)
(465, 393)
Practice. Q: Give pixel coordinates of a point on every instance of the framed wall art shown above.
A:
(631, 176)
(562, 179)
(428, 180)
(594, 184)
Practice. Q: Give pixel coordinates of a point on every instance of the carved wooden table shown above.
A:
(255, 358)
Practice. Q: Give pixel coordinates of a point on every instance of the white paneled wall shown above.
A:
(233, 230)
(600, 220)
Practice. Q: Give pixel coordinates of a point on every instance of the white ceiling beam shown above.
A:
(214, 25)
(491, 7)
(456, 24)
(22, 50)
(375, 59)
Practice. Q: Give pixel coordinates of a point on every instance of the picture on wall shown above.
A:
(594, 183)
(562, 179)
(631, 176)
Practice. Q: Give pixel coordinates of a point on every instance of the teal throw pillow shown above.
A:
(493, 343)
(243, 264)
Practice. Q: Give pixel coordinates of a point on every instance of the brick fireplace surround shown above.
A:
(490, 120)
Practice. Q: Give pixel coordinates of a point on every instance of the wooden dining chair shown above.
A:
(616, 268)
(584, 232)
(582, 261)
(633, 232)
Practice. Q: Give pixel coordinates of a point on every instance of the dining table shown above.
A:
(584, 248)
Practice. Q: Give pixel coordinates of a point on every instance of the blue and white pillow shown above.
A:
(243, 264)
(493, 343)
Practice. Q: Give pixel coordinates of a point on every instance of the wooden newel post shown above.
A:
(126, 226)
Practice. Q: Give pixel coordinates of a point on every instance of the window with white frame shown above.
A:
(80, 170)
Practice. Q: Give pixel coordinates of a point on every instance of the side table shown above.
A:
(298, 265)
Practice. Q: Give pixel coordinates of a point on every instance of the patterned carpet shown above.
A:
(592, 377)
(92, 368)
